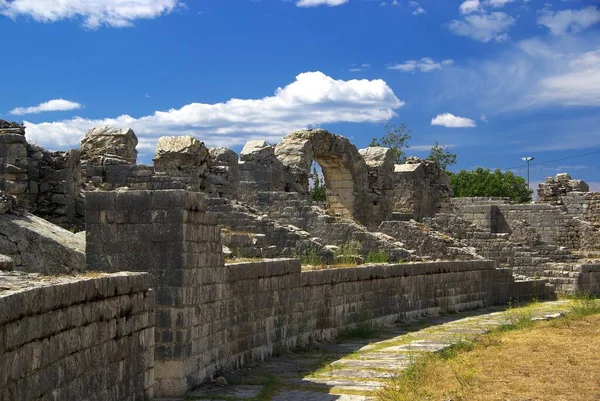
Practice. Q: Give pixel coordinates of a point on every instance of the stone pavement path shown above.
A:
(354, 370)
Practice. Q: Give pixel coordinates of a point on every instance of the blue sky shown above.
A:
(493, 79)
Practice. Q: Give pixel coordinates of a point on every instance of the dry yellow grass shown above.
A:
(551, 361)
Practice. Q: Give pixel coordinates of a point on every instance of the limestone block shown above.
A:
(256, 150)
(554, 187)
(181, 153)
(109, 145)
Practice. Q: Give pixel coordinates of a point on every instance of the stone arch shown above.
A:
(344, 170)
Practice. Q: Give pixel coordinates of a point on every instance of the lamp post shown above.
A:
(528, 159)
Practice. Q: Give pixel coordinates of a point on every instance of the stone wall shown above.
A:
(552, 223)
(168, 234)
(80, 339)
(210, 315)
(421, 188)
(360, 185)
(583, 205)
(45, 183)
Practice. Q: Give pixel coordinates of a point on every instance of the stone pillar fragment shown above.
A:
(168, 234)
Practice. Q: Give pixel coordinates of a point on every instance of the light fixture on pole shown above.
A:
(528, 159)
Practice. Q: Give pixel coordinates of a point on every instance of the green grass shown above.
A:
(348, 253)
(311, 258)
(584, 305)
(379, 256)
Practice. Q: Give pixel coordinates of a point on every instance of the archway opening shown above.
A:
(339, 185)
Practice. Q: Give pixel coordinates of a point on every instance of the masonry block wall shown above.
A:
(168, 234)
(583, 205)
(555, 225)
(79, 339)
(210, 315)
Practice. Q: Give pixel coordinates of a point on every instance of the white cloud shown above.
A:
(312, 99)
(451, 121)
(469, 6)
(483, 118)
(537, 72)
(579, 85)
(418, 10)
(569, 21)
(115, 13)
(498, 3)
(483, 27)
(51, 105)
(426, 64)
(359, 68)
(315, 3)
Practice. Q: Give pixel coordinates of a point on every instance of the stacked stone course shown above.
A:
(79, 339)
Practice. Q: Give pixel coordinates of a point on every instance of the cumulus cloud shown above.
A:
(312, 99)
(315, 3)
(94, 13)
(451, 121)
(51, 105)
(569, 21)
(426, 64)
(483, 27)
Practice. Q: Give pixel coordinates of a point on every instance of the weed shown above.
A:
(584, 305)
(516, 317)
(379, 256)
(312, 258)
(348, 253)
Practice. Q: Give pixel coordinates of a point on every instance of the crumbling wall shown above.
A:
(583, 205)
(260, 170)
(553, 188)
(45, 183)
(223, 179)
(421, 188)
(85, 338)
(380, 165)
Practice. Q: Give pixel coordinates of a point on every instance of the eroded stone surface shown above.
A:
(39, 246)
(108, 145)
(554, 187)
(181, 154)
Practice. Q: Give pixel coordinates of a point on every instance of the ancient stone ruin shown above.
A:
(123, 281)
(554, 188)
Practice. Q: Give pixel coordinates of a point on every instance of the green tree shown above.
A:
(441, 154)
(318, 192)
(396, 138)
(483, 182)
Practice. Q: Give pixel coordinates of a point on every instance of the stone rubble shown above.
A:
(553, 188)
